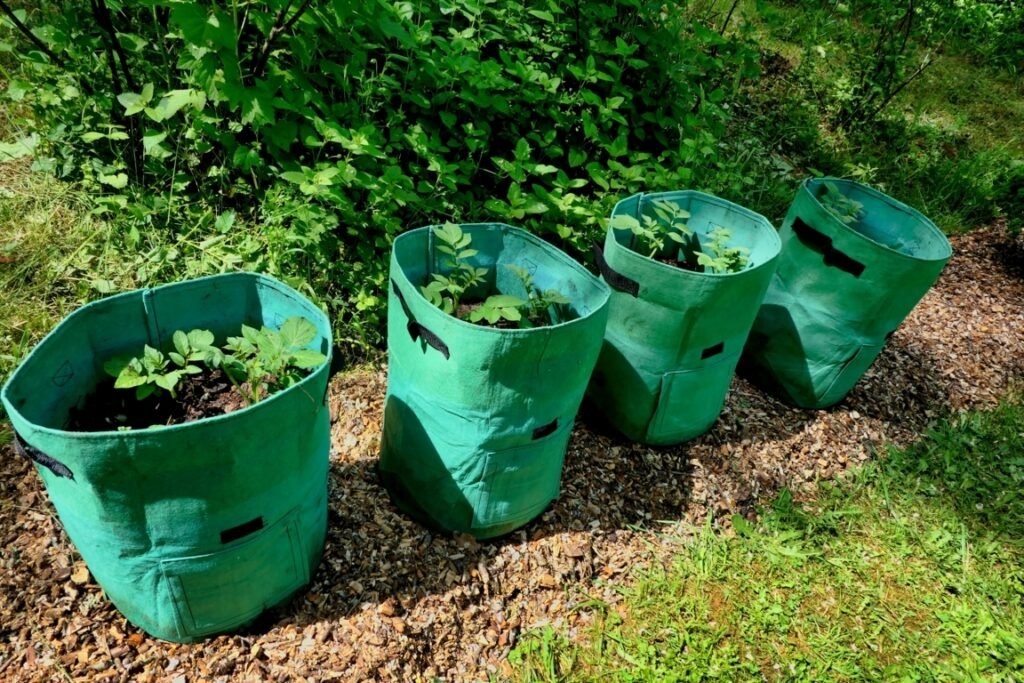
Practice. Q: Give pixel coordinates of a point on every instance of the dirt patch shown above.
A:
(393, 601)
(198, 396)
(681, 265)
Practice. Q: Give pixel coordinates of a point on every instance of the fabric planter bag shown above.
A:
(477, 419)
(195, 528)
(674, 336)
(841, 290)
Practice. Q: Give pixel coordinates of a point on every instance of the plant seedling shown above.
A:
(538, 304)
(264, 361)
(847, 210)
(446, 291)
(261, 361)
(498, 307)
(668, 225)
(153, 371)
(723, 258)
(655, 233)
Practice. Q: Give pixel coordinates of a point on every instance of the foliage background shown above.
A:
(298, 138)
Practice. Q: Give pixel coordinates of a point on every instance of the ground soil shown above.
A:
(682, 265)
(198, 396)
(393, 601)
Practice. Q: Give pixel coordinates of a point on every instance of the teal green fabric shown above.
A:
(670, 351)
(474, 442)
(839, 293)
(148, 508)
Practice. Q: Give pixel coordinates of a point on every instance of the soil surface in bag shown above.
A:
(198, 396)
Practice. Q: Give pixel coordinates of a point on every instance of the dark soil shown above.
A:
(466, 309)
(682, 265)
(199, 396)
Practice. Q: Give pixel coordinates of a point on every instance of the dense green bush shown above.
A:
(327, 128)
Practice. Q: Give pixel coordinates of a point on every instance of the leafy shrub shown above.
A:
(329, 128)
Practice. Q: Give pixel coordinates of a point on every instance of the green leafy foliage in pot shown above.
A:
(847, 210)
(448, 290)
(265, 361)
(665, 236)
(259, 362)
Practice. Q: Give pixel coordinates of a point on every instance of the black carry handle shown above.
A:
(544, 430)
(241, 531)
(614, 278)
(822, 243)
(36, 455)
(416, 330)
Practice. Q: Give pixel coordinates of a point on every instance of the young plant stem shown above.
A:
(43, 47)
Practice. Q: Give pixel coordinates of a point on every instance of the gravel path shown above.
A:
(391, 601)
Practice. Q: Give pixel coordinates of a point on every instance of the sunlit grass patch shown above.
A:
(911, 569)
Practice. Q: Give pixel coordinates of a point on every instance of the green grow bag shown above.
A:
(191, 529)
(840, 292)
(477, 419)
(674, 336)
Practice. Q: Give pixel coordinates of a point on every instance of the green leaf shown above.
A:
(173, 102)
(224, 221)
(116, 180)
(200, 339)
(152, 139)
(624, 222)
(307, 358)
(116, 365)
(167, 381)
(181, 344)
(543, 15)
(504, 300)
(128, 379)
(297, 332)
(133, 103)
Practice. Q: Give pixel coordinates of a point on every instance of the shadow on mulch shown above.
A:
(380, 556)
(377, 555)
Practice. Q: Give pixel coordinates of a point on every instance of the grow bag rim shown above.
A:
(710, 199)
(132, 434)
(947, 252)
(530, 237)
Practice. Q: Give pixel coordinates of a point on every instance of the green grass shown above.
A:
(948, 145)
(45, 228)
(912, 569)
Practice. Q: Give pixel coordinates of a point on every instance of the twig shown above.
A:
(43, 47)
(928, 61)
(728, 17)
(103, 17)
(277, 29)
(28, 33)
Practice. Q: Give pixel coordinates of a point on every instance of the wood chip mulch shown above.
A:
(393, 601)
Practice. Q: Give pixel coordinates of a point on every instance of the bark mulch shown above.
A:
(393, 601)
